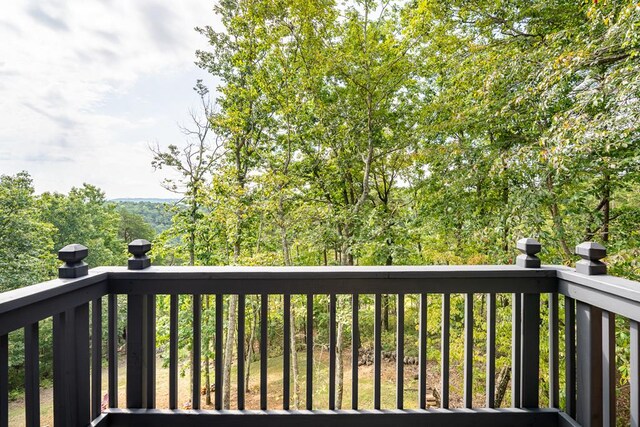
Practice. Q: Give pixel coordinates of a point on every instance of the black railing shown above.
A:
(591, 300)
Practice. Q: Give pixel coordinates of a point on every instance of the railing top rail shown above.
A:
(614, 294)
(331, 272)
(21, 297)
(605, 283)
(328, 280)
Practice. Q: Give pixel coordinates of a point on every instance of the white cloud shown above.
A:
(85, 86)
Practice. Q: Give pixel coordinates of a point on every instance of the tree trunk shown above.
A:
(231, 323)
(207, 361)
(557, 222)
(606, 208)
(348, 260)
(385, 312)
(503, 384)
(228, 350)
(294, 361)
(505, 204)
(192, 234)
(252, 338)
(294, 354)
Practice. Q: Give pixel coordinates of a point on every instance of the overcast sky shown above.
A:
(86, 86)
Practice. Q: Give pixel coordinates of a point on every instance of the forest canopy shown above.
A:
(411, 133)
(376, 133)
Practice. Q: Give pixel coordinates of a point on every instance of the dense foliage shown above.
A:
(416, 132)
(413, 132)
(156, 214)
(33, 227)
(368, 133)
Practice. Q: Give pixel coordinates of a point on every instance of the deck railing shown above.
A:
(591, 301)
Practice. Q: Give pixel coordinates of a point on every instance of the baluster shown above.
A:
(32, 375)
(400, 353)
(444, 363)
(264, 312)
(196, 351)
(286, 352)
(422, 375)
(589, 345)
(516, 342)
(241, 355)
(491, 350)
(570, 355)
(608, 369)
(218, 360)
(309, 351)
(62, 406)
(355, 340)
(634, 379)
(554, 351)
(530, 341)
(113, 350)
(332, 351)
(174, 306)
(530, 354)
(82, 364)
(589, 361)
(377, 351)
(96, 357)
(137, 353)
(4, 381)
(468, 351)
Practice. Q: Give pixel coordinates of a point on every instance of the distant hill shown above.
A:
(141, 199)
(156, 212)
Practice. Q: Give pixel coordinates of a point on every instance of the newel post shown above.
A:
(526, 330)
(74, 266)
(590, 334)
(71, 357)
(141, 335)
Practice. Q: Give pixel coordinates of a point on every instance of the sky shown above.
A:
(87, 86)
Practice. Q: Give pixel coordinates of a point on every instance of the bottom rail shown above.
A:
(369, 418)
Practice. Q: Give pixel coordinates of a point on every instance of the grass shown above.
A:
(274, 387)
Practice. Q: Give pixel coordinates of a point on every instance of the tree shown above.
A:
(133, 226)
(194, 164)
(26, 248)
(235, 59)
(84, 216)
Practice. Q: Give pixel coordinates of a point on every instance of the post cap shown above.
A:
(74, 266)
(529, 248)
(139, 248)
(593, 251)
(73, 253)
(591, 254)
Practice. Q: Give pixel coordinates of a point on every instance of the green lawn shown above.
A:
(320, 386)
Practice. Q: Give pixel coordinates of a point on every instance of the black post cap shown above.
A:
(74, 266)
(591, 254)
(529, 248)
(139, 248)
